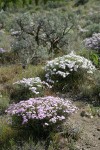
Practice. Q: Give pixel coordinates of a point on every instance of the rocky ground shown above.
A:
(90, 127)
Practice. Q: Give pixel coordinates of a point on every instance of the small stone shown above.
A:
(91, 116)
(86, 114)
(78, 147)
(98, 129)
(93, 134)
(82, 113)
(99, 114)
(88, 146)
(84, 149)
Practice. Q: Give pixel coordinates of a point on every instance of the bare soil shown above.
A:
(90, 126)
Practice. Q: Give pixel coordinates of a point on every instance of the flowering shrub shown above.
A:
(28, 87)
(2, 50)
(63, 67)
(93, 42)
(43, 110)
(33, 84)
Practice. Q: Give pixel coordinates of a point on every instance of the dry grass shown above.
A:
(13, 73)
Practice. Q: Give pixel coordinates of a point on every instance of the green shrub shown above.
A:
(26, 88)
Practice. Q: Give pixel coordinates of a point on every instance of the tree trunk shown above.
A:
(5, 5)
(45, 1)
(36, 2)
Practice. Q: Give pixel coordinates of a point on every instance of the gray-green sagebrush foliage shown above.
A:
(91, 24)
(41, 31)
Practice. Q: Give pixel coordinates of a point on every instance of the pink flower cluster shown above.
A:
(93, 42)
(2, 50)
(49, 110)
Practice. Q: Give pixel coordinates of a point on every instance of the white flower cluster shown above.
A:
(33, 84)
(93, 42)
(49, 110)
(65, 65)
(2, 50)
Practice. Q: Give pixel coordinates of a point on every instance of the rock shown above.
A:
(15, 33)
(98, 114)
(88, 146)
(2, 50)
(93, 134)
(86, 114)
(77, 147)
(98, 129)
(84, 149)
(91, 116)
(82, 113)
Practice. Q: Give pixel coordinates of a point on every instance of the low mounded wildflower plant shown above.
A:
(41, 112)
(33, 84)
(93, 42)
(29, 87)
(67, 67)
(2, 50)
